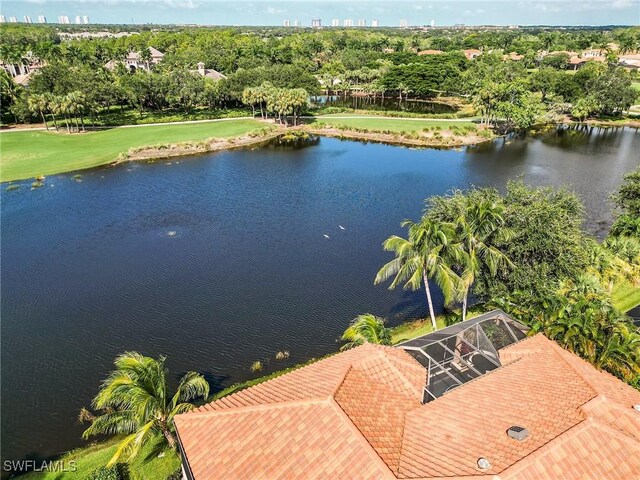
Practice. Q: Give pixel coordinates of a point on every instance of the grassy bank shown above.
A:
(625, 296)
(147, 466)
(26, 154)
(382, 124)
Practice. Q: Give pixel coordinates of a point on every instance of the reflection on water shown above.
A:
(92, 269)
(382, 104)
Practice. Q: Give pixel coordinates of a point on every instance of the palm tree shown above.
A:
(620, 353)
(52, 107)
(424, 254)
(38, 104)
(366, 328)
(480, 227)
(136, 403)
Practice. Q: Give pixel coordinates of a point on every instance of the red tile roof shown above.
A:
(358, 414)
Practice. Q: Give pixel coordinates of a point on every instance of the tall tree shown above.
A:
(426, 253)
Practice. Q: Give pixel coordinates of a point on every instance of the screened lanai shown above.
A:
(464, 351)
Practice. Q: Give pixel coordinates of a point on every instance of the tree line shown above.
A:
(513, 94)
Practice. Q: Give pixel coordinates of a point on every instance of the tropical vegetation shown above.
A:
(377, 62)
(135, 401)
(526, 253)
(366, 328)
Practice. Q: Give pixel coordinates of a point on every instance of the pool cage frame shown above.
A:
(464, 351)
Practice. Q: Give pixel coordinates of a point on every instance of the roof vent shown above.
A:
(518, 433)
(636, 407)
(484, 464)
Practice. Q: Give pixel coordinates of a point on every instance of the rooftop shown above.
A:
(363, 414)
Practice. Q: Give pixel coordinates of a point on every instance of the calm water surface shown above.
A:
(90, 270)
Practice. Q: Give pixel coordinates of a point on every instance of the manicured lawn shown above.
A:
(31, 153)
(625, 296)
(636, 85)
(391, 124)
(147, 466)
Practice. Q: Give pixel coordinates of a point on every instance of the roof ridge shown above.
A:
(361, 437)
(560, 351)
(251, 408)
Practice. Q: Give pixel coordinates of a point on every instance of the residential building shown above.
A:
(430, 52)
(27, 19)
(316, 23)
(22, 70)
(374, 23)
(362, 23)
(64, 19)
(472, 53)
(335, 22)
(629, 60)
(2, 19)
(42, 19)
(286, 23)
(78, 20)
(348, 23)
(480, 399)
(135, 61)
(433, 23)
(85, 19)
(13, 20)
(208, 72)
(296, 23)
(404, 24)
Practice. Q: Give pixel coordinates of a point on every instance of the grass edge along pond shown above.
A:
(29, 153)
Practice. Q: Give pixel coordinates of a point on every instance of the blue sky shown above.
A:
(388, 13)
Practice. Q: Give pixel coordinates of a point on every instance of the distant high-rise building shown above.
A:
(374, 23)
(286, 23)
(362, 23)
(2, 19)
(78, 20)
(296, 23)
(85, 19)
(433, 23)
(348, 23)
(335, 22)
(403, 24)
(316, 23)
(13, 20)
(42, 19)
(63, 19)
(27, 19)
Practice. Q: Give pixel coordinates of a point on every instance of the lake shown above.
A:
(220, 260)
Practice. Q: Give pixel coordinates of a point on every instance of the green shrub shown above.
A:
(116, 472)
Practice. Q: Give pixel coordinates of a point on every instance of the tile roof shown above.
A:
(358, 414)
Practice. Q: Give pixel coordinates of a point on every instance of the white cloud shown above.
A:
(274, 11)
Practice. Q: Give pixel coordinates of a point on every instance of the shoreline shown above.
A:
(448, 139)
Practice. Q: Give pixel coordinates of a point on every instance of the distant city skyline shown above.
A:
(302, 12)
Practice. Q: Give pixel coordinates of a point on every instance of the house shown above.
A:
(578, 62)
(629, 60)
(22, 70)
(208, 72)
(472, 53)
(134, 61)
(480, 399)
(513, 56)
(430, 52)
